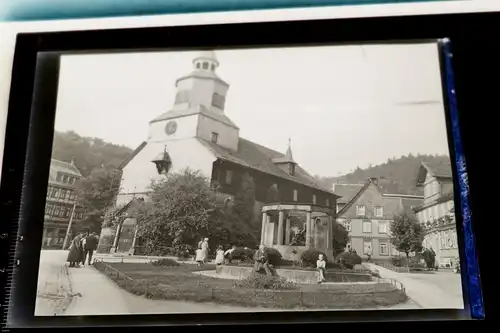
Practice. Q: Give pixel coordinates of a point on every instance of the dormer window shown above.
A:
(215, 137)
(291, 169)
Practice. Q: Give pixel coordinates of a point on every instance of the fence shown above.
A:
(393, 268)
(301, 297)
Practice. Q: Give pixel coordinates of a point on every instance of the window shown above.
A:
(59, 177)
(327, 202)
(295, 195)
(198, 65)
(314, 199)
(340, 206)
(347, 225)
(229, 176)
(382, 227)
(182, 97)
(56, 211)
(218, 101)
(367, 226)
(215, 137)
(367, 247)
(205, 65)
(291, 169)
(360, 210)
(384, 249)
(212, 67)
(378, 211)
(454, 239)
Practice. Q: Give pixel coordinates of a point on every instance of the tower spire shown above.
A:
(288, 154)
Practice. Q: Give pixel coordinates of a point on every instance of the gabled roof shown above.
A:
(257, 157)
(200, 109)
(355, 197)
(347, 191)
(438, 168)
(134, 153)
(65, 167)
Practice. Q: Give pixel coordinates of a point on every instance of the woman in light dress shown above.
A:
(202, 254)
(219, 258)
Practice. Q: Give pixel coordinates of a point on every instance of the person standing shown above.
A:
(262, 261)
(90, 246)
(204, 250)
(321, 267)
(219, 258)
(75, 251)
(200, 243)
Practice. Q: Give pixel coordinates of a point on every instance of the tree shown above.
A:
(244, 200)
(407, 234)
(181, 209)
(95, 194)
(340, 238)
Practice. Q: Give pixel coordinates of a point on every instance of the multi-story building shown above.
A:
(367, 213)
(60, 206)
(436, 213)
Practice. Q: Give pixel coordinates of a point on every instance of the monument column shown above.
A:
(136, 229)
(263, 228)
(280, 228)
(308, 229)
(287, 231)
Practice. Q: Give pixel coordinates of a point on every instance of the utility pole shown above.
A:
(68, 231)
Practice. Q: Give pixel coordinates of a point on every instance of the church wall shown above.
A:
(263, 182)
(204, 89)
(227, 136)
(141, 171)
(186, 128)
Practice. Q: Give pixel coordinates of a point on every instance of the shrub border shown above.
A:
(116, 275)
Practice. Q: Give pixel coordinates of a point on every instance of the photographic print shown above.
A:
(250, 180)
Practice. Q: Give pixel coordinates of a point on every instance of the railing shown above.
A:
(394, 282)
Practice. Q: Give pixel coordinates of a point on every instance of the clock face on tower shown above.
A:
(171, 127)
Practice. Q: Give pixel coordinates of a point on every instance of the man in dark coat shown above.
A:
(90, 246)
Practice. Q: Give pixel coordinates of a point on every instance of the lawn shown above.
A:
(179, 283)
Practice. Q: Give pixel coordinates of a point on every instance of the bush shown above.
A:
(243, 254)
(259, 281)
(274, 256)
(165, 263)
(398, 261)
(349, 259)
(310, 256)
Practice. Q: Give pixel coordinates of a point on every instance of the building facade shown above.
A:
(436, 214)
(367, 213)
(60, 206)
(197, 134)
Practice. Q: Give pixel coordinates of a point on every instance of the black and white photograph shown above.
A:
(312, 178)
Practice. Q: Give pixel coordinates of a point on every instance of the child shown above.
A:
(199, 257)
(321, 267)
(219, 257)
(229, 253)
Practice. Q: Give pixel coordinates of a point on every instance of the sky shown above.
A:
(341, 106)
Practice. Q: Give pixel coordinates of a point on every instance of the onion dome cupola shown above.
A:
(286, 162)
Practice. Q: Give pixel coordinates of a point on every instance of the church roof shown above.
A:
(202, 74)
(172, 114)
(64, 167)
(260, 158)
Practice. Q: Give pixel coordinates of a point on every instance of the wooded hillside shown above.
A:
(395, 176)
(89, 153)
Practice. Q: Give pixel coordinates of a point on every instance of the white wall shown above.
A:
(141, 171)
(186, 128)
(228, 136)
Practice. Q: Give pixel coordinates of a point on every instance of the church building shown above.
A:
(197, 133)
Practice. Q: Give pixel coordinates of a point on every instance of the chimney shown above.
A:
(72, 161)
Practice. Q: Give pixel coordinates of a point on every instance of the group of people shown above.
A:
(82, 248)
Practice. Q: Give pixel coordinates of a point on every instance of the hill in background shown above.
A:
(89, 153)
(394, 176)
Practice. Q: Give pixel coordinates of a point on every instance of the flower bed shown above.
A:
(179, 283)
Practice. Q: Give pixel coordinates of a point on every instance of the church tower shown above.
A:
(199, 108)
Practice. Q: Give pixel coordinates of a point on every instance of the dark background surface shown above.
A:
(474, 40)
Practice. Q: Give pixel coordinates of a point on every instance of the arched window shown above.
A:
(205, 65)
(198, 65)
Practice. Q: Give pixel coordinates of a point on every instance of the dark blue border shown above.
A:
(472, 269)
(23, 10)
